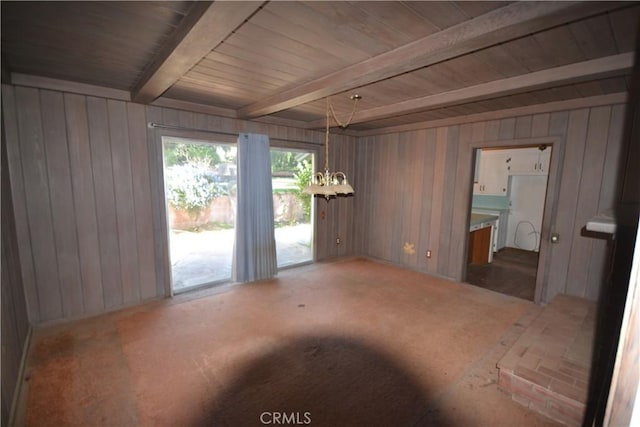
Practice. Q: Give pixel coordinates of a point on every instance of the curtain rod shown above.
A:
(161, 126)
(173, 127)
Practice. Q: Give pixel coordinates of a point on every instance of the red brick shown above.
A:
(555, 374)
(504, 379)
(551, 414)
(575, 366)
(573, 413)
(555, 350)
(533, 376)
(521, 400)
(533, 393)
(540, 394)
(562, 418)
(576, 375)
(564, 400)
(530, 361)
(571, 392)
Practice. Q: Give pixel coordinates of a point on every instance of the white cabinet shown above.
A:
(528, 161)
(493, 176)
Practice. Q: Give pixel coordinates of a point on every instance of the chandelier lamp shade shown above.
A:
(329, 183)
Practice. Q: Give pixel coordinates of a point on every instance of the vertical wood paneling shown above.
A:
(523, 127)
(142, 199)
(429, 139)
(567, 202)
(375, 193)
(460, 214)
(403, 199)
(540, 125)
(416, 147)
(93, 227)
(558, 124)
(631, 185)
(359, 177)
(348, 217)
(478, 131)
(491, 130)
(612, 159)
(105, 201)
(392, 200)
(445, 174)
(25, 252)
(125, 211)
(364, 194)
(84, 202)
(36, 186)
(609, 193)
(507, 128)
(448, 194)
(61, 195)
(587, 203)
(438, 195)
(14, 321)
(110, 190)
(158, 210)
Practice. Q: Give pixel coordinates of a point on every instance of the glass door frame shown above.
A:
(158, 197)
(313, 150)
(160, 202)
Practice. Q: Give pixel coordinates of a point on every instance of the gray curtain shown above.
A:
(254, 253)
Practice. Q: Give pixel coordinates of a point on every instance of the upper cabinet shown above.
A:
(492, 174)
(528, 161)
(494, 166)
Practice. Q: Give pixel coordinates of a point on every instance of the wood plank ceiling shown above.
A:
(411, 61)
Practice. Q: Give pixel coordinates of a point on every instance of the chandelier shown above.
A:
(329, 183)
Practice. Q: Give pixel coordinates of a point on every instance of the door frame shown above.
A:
(550, 202)
(157, 177)
(314, 153)
(158, 197)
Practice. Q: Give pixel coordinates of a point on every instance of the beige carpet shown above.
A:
(346, 343)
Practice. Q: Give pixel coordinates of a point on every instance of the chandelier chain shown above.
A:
(326, 139)
(329, 183)
(335, 117)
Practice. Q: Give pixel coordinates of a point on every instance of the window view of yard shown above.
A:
(200, 188)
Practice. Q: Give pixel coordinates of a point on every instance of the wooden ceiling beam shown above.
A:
(549, 107)
(205, 26)
(498, 26)
(567, 74)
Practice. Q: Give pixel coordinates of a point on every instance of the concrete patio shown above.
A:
(204, 257)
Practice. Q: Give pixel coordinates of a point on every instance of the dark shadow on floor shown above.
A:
(324, 381)
(512, 272)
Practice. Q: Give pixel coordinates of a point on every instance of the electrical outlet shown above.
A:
(337, 240)
(428, 253)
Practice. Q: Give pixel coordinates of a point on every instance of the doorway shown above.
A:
(506, 216)
(200, 181)
(291, 171)
(200, 192)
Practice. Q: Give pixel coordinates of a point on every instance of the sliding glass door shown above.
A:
(293, 216)
(200, 190)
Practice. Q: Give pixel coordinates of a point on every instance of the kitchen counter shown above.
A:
(477, 219)
(482, 242)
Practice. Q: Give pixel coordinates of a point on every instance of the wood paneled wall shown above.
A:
(86, 179)
(90, 217)
(15, 324)
(415, 187)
